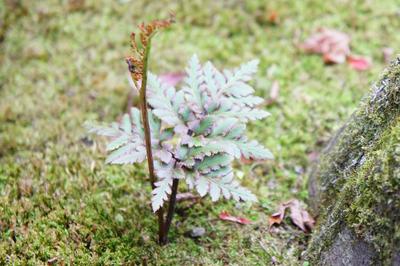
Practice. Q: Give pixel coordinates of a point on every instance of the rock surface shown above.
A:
(355, 187)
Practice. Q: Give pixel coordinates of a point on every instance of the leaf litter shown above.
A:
(334, 46)
(299, 216)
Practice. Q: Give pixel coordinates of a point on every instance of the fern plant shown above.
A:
(196, 133)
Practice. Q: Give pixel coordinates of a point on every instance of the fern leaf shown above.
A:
(166, 173)
(155, 127)
(225, 186)
(234, 147)
(239, 76)
(242, 114)
(248, 101)
(196, 141)
(107, 131)
(136, 120)
(213, 79)
(166, 134)
(208, 150)
(190, 179)
(126, 124)
(214, 162)
(164, 170)
(204, 125)
(160, 193)
(244, 73)
(193, 81)
(239, 89)
(126, 138)
(117, 142)
(223, 126)
(161, 99)
(254, 150)
(130, 153)
(164, 155)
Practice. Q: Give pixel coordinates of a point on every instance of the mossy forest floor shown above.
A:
(63, 64)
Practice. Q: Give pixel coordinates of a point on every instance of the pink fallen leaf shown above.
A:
(225, 216)
(359, 63)
(172, 78)
(333, 45)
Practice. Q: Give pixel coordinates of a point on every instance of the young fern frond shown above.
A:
(196, 132)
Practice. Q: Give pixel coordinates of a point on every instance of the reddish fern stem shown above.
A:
(171, 208)
(147, 134)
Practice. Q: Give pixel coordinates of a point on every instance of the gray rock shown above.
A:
(197, 232)
(347, 249)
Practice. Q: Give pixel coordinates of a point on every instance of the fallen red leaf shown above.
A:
(227, 217)
(358, 62)
(172, 78)
(332, 44)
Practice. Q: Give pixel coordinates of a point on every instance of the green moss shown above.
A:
(369, 202)
(373, 212)
(358, 136)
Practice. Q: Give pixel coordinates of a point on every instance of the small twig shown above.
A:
(186, 197)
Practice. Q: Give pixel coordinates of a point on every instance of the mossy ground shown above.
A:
(62, 64)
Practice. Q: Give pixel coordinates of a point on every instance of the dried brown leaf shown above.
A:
(300, 217)
(277, 217)
(296, 214)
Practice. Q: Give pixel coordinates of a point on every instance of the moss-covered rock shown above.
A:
(356, 186)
